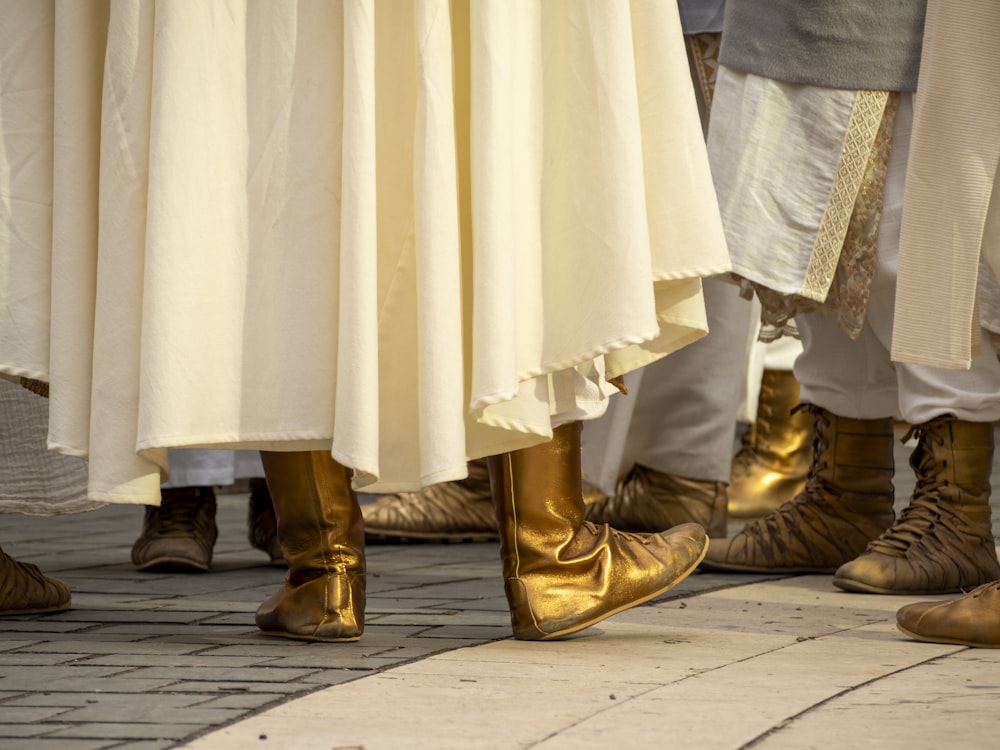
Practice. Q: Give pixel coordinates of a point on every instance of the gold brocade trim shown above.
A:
(36, 386)
(703, 57)
(842, 263)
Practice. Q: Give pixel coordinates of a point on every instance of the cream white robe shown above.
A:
(410, 233)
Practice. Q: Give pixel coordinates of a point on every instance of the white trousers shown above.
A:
(194, 467)
(857, 379)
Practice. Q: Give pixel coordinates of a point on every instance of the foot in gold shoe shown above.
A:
(24, 590)
(970, 620)
(563, 574)
(262, 523)
(179, 535)
(460, 511)
(942, 542)
(846, 503)
(650, 501)
(772, 464)
(322, 537)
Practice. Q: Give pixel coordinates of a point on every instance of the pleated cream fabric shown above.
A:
(409, 233)
(950, 211)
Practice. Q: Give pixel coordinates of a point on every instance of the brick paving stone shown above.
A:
(35, 659)
(10, 714)
(243, 700)
(194, 661)
(124, 731)
(234, 688)
(46, 743)
(261, 674)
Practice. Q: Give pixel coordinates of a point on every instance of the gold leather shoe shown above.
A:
(771, 467)
(649, 500)
(323, 539)
(561, 573)
(25, 590)
(459, 511)
(847, 502)
(942, 542)
(970, 620)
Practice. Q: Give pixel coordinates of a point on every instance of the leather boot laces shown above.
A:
(179, 517)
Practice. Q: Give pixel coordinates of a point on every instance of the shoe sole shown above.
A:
(388, 537)
(168, 564)
(733, 568)
(857, 587)
(605, 615)
(951, 641)
(311, 638)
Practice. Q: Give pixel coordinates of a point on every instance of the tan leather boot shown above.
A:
(773, 462)
(847, 502)
(323, 540)
(262, 523)
(561, 573)
(179, 535)
(943, 541)
(24, 590)
(459, 511)
(649, 500)
(970, 620)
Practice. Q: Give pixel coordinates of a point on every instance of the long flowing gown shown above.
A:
(407, 232)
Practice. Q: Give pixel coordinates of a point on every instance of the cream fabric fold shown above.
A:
(409, 233)
(950, 214)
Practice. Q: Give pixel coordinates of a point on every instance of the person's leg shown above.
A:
(677, 449)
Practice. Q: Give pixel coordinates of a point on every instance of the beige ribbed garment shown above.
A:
(407, 232)
(949, 214)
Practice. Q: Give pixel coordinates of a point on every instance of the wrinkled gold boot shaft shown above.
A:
(772, 465)
(561, 573)
(322, 537)
(943, 541)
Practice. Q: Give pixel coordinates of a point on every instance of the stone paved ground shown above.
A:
(158, 661)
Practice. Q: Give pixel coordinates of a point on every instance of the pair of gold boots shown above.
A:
(561, 573)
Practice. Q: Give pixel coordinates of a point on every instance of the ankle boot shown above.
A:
(262, 523)
(179, 535)
(460, 511)
(322, 537)
(846, 503)
(649, 500)
(943, 541)
(773, 462)
(24, 590)
(561, 573)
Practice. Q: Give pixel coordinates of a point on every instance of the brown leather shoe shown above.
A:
(459, 511)
(970, 620)
(942, 542)
(846, 503)
(24, 590)
(262, 524)
(650, 501)
(179, 535)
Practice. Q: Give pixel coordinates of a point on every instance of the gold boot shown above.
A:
(322, 537)
(772, 464)
(649, 500)
(943, 540)
(24, 590)
(561, 573)
(460, 511)
(847, 502)
(970, 620)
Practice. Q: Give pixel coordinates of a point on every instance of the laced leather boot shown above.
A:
(178, 536)
(459, 511)
(322, 537)
(773, 461)
(847, 502)
(649, 500)
(970, 620)
(25, 590)
(943, 540)
(562, 573)
(262, 523)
